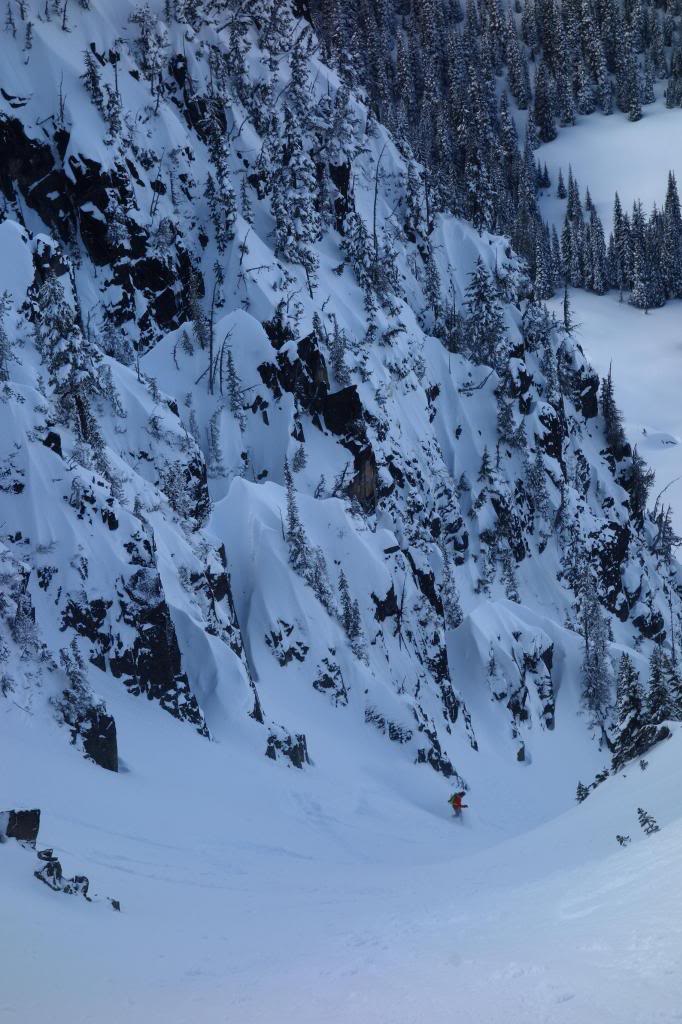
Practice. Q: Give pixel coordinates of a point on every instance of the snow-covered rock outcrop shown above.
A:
(282, 451)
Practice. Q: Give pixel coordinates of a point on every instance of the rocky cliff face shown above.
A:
(265, 456)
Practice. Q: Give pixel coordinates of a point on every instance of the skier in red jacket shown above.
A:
(455, 802)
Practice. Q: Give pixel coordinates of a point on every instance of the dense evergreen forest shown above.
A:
(456, 84)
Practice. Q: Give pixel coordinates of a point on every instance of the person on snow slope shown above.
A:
(455, 802)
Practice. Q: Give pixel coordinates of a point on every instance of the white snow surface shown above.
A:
(252, 892)
(645, 354)
(609, 155)
(280, 896)
(612, 154)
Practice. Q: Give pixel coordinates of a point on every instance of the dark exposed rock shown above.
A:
(52, 875)
(395, 470)
(45, 575)
(177, 66)
(517, 702)
(278, 329)
(295, 748)
(29, 164)
(109, 518)
(92, 728)
(269, 376)
(20, 825)
(315, 363)
(79, 203)
(304, 376)
(441, 674)
(426, 581)
(432, 754)
(342, 411)
(536, 670)
(297, 432)
(88, 619)
(363, 486)
(533, 663)
(219, 583)
(307, 378)
(54, 442)
(285, 645)
(396, 733)
(551, 442)
(651, 626)
(48, 259)
(151, 664)
(260, 405)
(340, 175)
(329, 680)
(386, 607)
(92, 185)
(98, 732)
(611, 552)
(521, 382)
(587, 390)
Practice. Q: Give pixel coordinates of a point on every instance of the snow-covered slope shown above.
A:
(644, 352)
(609, 155)
(297, 461)
(278, 896)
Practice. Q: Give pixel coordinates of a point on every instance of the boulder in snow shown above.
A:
(20, 825)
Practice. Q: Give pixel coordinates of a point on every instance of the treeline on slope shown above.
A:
(643, 713)
(481, 336)
(442, 103)
(304, 141)
(450, 100)
(643, 257)
(433, 72)
(636, 478)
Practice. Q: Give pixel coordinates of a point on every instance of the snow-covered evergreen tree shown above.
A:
(296, 539)
(484, 320)
(596, 669)
(647, 822)
(659, 700)
(452, 608)
(630, 712)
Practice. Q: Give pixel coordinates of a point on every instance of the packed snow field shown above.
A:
(292, 898)
(611, 154)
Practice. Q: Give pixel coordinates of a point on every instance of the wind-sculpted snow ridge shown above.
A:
(283, 452)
